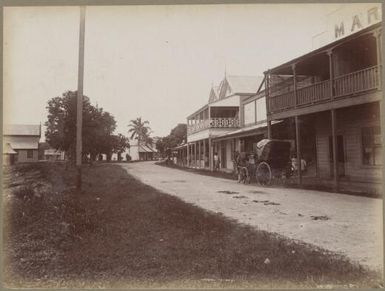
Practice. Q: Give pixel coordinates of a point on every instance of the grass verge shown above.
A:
(119, 232)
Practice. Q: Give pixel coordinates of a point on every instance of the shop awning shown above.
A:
(247, 131)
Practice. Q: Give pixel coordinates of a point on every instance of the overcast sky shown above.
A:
(157, 62)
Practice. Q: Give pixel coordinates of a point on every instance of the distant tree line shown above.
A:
(177, 136)
(97, 130)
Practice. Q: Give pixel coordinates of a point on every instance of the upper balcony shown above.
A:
(222, 122)
(343, 73)
(361, 81)
(213, 117)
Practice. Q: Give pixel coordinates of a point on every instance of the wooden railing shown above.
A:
(313, 93)
(214, 123)
(356, 82)
(198, 126)
(281, 102)
(224, 122)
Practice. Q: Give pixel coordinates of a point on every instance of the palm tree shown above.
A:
(139, 130)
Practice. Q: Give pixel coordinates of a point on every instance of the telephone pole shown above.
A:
(79, 107)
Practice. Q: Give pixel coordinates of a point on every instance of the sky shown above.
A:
(154, 62)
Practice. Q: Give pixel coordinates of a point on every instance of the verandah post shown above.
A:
(334, 144)
(267, 100)
(331, 73)
(298, 143)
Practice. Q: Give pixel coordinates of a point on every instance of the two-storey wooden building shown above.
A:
(334, 93)
(219, 116)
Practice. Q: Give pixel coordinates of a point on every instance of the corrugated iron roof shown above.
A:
(245, 131)
(26, 145)
(21, 129)
(244, 84)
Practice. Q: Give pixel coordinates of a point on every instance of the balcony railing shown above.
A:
(353, 83)
(313, 93)
(357, 82)
(213, 123)
(283, 101)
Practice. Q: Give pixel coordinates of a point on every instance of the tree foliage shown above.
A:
(177, 136)
(119, 143)
(97, 129)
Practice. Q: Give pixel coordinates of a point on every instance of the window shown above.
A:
(371, 146)
(29, 154)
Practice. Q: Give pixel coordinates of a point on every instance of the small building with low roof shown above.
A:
(22, 139)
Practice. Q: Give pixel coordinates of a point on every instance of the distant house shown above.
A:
(142, 152)
(54, 155)
(22, 139)
(47, 153)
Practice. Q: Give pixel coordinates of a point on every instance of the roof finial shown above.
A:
(225, 71)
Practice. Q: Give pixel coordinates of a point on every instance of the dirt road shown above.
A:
(344, 224)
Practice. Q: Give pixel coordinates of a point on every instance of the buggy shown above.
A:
(273, 160)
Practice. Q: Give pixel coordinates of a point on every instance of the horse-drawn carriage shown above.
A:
(272, 160)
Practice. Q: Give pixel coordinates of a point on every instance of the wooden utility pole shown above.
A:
(79, 108)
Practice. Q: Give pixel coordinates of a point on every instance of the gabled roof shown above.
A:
(244, 84)
(214, 94)
(25, 145)
(21, 129)
(146, 149)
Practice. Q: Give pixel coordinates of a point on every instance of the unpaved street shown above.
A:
(344, 224)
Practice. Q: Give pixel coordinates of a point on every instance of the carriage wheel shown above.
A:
(263, 173)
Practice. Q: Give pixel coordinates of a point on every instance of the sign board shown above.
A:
(347, 20)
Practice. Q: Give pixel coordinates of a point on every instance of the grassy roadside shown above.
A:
(119, 232)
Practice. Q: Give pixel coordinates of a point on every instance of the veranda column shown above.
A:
(293, 67)
(188, 155)
(267, 96)
(331, 73)
(377, 35)
(195, 154)
(211, 155)
(204, 153)
(297, 127)
(335, 153)
(298, 143)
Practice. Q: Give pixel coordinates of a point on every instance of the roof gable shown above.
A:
(22, 129)
(244, 84)
(214, 94)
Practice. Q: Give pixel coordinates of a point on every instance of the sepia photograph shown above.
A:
(200, 145)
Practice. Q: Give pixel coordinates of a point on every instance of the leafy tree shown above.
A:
(160, 145)
(119, 143)
(140, 130)
(97, 128)
(177, 136)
